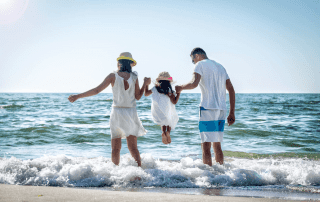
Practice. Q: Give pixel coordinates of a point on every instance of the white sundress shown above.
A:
(124, 120)
(163, 110)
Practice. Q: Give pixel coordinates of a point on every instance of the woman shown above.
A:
(124, 120)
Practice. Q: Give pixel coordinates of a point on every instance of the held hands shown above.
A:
(147, 80)
(231, 119)
(178, 88)
(72, 98)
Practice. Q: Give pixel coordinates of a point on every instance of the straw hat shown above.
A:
(164, 76)
(127, 56)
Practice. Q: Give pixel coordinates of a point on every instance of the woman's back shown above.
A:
(124, 89)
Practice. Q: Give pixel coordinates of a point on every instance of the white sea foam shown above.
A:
(187, 173)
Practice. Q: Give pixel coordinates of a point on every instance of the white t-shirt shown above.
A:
(212, 84)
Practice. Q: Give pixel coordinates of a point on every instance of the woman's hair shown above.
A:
(164, 87)
(125, 65)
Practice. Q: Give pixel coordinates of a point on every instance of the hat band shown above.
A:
(126, 58)
(164, 78)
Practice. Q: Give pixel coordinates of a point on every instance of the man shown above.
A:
(214, 81)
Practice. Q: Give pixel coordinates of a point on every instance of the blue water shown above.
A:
(35, 124)
(62, 139)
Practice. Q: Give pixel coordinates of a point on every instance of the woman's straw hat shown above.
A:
(164, 76)
(127, 56)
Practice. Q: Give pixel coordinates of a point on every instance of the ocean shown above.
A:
(272, 150)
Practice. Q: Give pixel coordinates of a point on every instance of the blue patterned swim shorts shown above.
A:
(211, 124)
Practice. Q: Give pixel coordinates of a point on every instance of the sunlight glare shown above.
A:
(12, 10)
(5, 5)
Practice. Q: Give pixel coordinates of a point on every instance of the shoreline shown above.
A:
(42, 193)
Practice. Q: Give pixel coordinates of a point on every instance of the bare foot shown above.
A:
(164, 138)
(168, 137)
(135, 178)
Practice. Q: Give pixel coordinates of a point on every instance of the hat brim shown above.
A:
(171, 81)
(164, 79)
(127, 58)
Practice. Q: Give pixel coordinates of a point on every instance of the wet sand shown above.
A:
(17, 193)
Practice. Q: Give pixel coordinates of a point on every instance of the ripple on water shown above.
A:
(310, 149)
(238, 125)
(76, 138)
(25, 143)
(239, 109)
(255, 109)
(291, 143)
(258, 120)
(12, 107)
(251, 132)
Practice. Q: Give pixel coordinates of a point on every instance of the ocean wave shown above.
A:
(239, 125)
(291, 143)
(106, 100)
(249, 132)
(307, 109)
(186, 173)
(11, 107)
(239, 109)
(39, 129)
(308, 102)
(255, 109)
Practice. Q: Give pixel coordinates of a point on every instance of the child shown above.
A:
(124, 120)
(163, 108)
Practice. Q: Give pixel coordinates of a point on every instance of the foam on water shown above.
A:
(187, 173)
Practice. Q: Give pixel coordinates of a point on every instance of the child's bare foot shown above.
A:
(168, 137)
(164, 138)
(135, 178)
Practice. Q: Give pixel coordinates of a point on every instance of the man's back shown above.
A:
(212, 84)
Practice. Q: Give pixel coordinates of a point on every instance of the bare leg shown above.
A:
(206, 153)
(218, 152)
(116, 147)
(133, 148)
(164, 137)
(168, 134)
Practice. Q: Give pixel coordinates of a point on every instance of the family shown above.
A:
(125, 123)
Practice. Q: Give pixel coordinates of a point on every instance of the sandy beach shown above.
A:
(19, 193)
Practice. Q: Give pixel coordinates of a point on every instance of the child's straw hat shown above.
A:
(127, 56)
(164, 76)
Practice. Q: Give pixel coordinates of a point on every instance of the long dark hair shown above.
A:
(164, 87)
(125, 65)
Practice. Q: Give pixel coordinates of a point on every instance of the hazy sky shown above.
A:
(269, 46)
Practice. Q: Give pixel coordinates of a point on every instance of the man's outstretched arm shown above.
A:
(191, 85)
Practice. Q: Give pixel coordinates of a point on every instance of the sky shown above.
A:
(266, 46)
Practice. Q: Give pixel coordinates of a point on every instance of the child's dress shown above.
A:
(163, 110)
(124, 120)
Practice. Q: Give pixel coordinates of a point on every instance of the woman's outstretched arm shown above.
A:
(95, 90)
(139, 92)
(147, 92)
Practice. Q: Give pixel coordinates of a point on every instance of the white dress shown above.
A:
(124, 120)
(163, 110)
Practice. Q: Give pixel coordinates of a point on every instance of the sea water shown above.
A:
(273, 146)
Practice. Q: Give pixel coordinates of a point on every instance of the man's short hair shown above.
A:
(199, 51)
